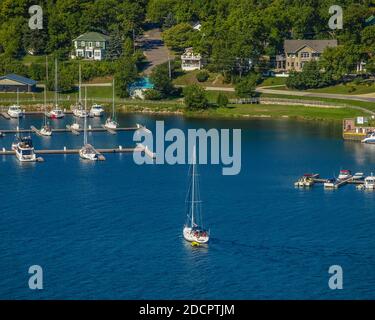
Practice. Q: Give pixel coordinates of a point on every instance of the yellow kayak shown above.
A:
(195, 244)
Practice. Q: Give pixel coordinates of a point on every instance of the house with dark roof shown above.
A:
(14, 82)
(298, 52)
(370, 21)
(90, 46)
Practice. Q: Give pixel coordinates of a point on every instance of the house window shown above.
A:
(82, 43)
(292, 64)
(90, 44)
(305, 55)
(98, 44)
(97, 53)
(316, 54)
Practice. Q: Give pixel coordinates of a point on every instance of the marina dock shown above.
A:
(98, 129)
(75, 151)
(312, 179)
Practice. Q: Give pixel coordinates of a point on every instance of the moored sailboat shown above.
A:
(56, 112)
(111, 122)
(87, 152)
(194, 231)
(46, 129)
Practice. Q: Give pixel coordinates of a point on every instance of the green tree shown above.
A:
(222, 100)
(115, 45)
(195, 97)
(179, 37)
(245, 87)
(161, 80)
(126, 74)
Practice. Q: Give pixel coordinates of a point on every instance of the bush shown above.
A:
(245, 87)
(153, 94)
(222, 100)
(195, 97)
(202, 76)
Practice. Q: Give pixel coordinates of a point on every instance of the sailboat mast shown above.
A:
(193, 191)
(56, 96)
(80, 85)
(113, 99)
(45, 94)
(18, 118)
(85, 125)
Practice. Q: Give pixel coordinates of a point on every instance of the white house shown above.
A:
(191, 61)
(90, 46)
(197, 26)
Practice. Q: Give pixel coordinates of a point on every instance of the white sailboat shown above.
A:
(194, 231)
(79, 111)
(15, 111)
(87, 152)
(56, 112)
(111, 122)
(46, 129)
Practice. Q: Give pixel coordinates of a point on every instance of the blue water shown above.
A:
(112, 230)
(142, 83)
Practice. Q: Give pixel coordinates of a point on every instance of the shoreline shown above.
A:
(232, 112)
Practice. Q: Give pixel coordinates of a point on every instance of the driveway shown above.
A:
(154, 49)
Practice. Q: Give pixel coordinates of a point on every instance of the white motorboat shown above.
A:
(24, 150)
(369, 139)
(15, 112)
(359, 176)
(194, 231)
(344, 174)
(370, 183)
(97, 110)
(111, 122)
(56, 113)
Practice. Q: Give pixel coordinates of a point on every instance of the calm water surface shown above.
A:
(112, 230)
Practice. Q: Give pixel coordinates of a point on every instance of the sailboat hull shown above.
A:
(192, 235)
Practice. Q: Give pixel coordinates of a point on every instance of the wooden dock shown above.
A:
(4, 152)
(98, 129)
(336, 184)
(5, 115)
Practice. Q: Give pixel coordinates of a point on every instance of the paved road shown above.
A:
(154, 49)
(365, 98)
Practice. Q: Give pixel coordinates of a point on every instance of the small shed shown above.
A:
(13, 82)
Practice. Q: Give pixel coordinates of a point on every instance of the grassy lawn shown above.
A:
(349, 88)
(273, 81)
(367, 105)
(280, 111)
(189, 78)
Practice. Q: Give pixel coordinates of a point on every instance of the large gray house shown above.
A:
(90, 46)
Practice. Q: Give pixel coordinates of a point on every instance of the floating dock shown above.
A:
(5, 115)
(98, 129)
(328, 183)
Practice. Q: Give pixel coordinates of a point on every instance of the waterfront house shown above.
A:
(191, 61)
(298, 52)
(14, 82)
(90, 46)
